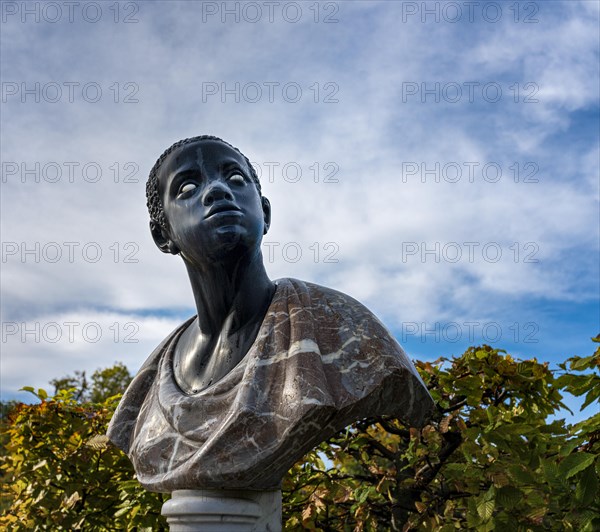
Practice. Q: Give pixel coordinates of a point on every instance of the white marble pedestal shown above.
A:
(223, 511)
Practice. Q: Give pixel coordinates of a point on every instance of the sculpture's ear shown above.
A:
(266, 205)
(162, 239)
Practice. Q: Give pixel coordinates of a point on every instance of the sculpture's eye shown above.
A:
(186, 190)
(238, 179)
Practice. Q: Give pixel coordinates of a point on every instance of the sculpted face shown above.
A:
(213, 209)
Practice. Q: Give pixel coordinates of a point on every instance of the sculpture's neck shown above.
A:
(232, 295)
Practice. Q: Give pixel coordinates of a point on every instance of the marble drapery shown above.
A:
(320, 361)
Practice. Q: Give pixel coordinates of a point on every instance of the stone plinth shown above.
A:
(224, 511)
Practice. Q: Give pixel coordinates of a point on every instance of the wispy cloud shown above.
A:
(388, 226)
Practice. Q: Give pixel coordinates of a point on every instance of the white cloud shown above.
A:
(370, 134)
(48, 346)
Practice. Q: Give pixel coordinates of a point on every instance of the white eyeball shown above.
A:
(237, 178)
(189, 187)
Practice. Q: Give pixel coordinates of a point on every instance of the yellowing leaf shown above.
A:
(485, 509)
(39, 464)
(445, 423)
(98, 441)
(420, 507)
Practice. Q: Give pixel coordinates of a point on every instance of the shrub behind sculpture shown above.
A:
(489, 459)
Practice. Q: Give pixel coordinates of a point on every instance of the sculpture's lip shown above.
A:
(229, 208)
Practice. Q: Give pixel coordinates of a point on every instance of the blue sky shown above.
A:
(437, 164)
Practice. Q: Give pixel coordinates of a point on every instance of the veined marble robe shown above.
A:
(320, 361)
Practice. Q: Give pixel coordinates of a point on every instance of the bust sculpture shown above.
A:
(265, 370)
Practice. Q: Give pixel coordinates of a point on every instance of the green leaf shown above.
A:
(522, 476)
(121, 512)
(574, 463)
(569, 447)
(485, 509)
(587, 487)
(537, 513)
(508, 496)
(591, 396)
(579, 364)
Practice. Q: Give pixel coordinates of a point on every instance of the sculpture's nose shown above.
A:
(216, 191)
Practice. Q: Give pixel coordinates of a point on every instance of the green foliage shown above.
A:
(61, 473)
(109, 382)
(78, 383)
(105, 383)
(489, 460)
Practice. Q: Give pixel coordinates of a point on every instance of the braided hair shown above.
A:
(153, 201)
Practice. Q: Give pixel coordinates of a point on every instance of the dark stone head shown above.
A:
(153, 200)
(205, 202)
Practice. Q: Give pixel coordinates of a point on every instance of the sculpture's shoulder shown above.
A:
(125, 416)
(357, 353)
(328, 303)
(339, 324)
